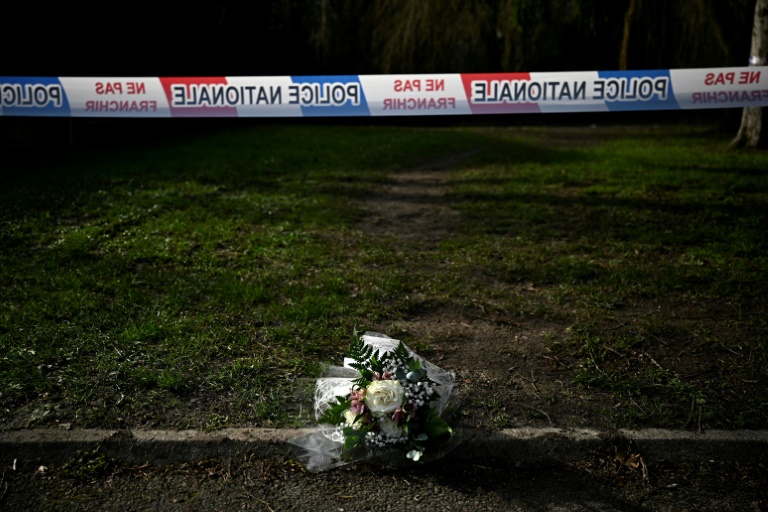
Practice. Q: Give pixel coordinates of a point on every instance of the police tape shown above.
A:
(384, 95)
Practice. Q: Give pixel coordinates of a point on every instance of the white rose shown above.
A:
(389, 427)
(349, 419)
(383, 397)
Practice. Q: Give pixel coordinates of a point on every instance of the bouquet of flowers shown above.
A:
(385, 403)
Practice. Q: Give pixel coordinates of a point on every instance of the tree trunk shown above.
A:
(753, 132)
(625, 36)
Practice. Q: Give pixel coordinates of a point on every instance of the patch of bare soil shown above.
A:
(410, 207)
(506, 374)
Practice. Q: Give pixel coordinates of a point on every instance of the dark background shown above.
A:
(284, 37)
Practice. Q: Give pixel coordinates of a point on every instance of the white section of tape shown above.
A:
(116, 97)
(404, 95)
(720, 87)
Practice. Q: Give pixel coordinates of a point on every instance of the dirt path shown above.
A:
(503, 367)
(412, 206)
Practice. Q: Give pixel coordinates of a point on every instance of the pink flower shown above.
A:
(398, 415)
(380, 376)
(357, 405)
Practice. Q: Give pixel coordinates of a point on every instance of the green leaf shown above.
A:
(401, 352)
(436, 427)
(359, 351)
(362, 382)
(335, 415)
(353, 437)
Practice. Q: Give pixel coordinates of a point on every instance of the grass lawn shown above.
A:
(192, 283)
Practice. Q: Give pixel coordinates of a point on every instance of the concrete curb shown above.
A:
(31, 448)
